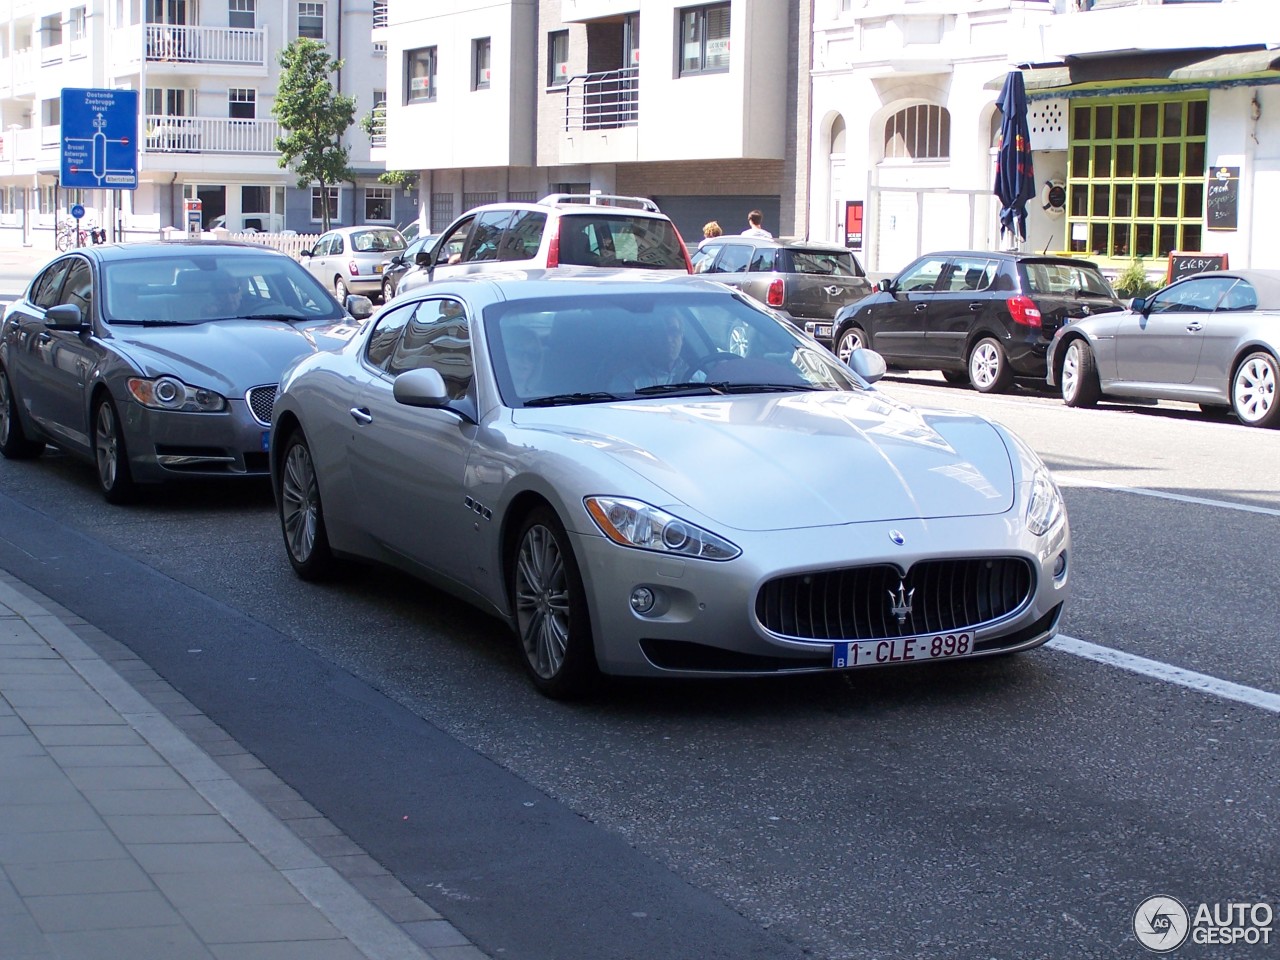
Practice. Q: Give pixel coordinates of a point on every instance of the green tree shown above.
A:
(314, 118)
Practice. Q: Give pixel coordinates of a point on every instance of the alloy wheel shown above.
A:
(542, 601)
(850, 341)
(106, 443)
(1253, 392)
(299, 502)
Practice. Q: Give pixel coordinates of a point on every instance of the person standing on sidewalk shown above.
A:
(755, 228)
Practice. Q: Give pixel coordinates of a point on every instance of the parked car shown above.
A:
(478, 434)
(349, 259)
(978, 316)
(410, 231)
(159, 361)
(806, 281)
(1211, 339)
(583, 230)
(398, 264)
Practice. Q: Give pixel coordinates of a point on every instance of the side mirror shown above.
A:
(1138, 304)
(867, 364)
(423, 258)
(65, 316)
(423, 387)
(307, 253)
(360, 307)
(885, 285)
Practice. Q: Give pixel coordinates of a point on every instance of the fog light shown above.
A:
(642, 600)
(1060, 566)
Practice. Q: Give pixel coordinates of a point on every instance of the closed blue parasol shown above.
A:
(1015, 178)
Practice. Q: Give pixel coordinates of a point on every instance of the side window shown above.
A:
(79, 287)
(922, 275)
(385, 336)
(970, 274)
(44, 291)
(450, 247)
(763, 261)
(486, 236)
(336, 245)
(704, 258)
(321, 248)
(735, 258)
(523, 236)
(1197, 295)
(438, 336)
(1240, 297)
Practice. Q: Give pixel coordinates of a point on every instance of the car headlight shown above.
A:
(1044, 506)
(170, 393)
(633, 523)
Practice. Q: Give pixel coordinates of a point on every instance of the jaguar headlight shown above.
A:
(170, 393)
(1044, 506)
(634, 523)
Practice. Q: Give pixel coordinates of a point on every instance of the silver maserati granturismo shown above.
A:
(658, 476)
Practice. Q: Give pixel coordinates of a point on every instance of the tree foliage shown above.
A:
(1133, 282)
(314, 118)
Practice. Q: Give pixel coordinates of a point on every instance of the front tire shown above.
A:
(387, 292)
(850, 339)
(988, 367)
(306, 539)
(14, 443)
(1253, 390)
(549, 606)
(111, 455)
(1080, 386)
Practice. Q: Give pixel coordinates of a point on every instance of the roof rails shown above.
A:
(602, 200)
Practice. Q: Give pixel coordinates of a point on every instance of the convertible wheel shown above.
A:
(988, 368)
(550, 608)
(301, 513)
(1253, 390)
(340, 290)
(112, 457)
(14, 443)
(1080, 387)
(850, 340)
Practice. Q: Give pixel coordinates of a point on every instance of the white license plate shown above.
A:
(822, 330)
(871, 653)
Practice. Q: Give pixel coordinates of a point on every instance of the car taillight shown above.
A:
(354, 268)
(1024, 311)
(553, 251)
(774, 297)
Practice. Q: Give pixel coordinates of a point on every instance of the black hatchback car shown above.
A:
(984, 317)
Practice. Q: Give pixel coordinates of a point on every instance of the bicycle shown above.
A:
(90, 232)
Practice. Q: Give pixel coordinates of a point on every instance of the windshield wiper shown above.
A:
(565, 399)
(698, 386)
(770, 387)
(266, 316)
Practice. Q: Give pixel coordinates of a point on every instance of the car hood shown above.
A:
(826, 458)
(228, 355)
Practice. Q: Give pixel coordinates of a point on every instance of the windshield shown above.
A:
(608, 346)
(194, 287)
(619, 240)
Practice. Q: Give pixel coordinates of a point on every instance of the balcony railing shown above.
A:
(169, 43)
(378, 126)
(601, 101)
(168, 134)
(379, 13)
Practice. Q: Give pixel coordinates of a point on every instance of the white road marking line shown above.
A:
(1171, 674)
(1066, 480)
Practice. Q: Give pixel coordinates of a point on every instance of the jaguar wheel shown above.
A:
(1080, 387)
(1253, 390)
(306, 539)
(14, 443)
(988, 367)
(549, 606)
(850, 339)
(111, 455)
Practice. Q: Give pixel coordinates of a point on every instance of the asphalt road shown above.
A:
(1017, 807)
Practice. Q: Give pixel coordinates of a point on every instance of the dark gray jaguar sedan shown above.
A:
(160, 361)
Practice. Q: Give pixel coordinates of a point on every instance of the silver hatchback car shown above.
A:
(350, 259)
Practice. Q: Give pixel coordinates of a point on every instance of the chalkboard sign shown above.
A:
(1185, 263)
(1222, 198)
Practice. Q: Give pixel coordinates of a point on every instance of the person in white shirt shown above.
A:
(755, 219)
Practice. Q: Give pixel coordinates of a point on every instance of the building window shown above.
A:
(704, 39)
(242, 103)
(51, 112)
(441, 210)
(377, 204)
(1136, 176)
(922, 132)
(77, 24)
(317, 211)
(311, 20)
(49, 198)
(51, 30)
(420, 65)
(480, 64)
(557, 58)
(242, 13)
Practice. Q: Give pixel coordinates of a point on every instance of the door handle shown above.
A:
(921, 307)
(975, 307)
(361, 415)
(1194, 327)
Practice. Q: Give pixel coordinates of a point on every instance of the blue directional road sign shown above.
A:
(100, 138)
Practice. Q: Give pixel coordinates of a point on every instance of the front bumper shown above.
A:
(163, 445)
(704, 622)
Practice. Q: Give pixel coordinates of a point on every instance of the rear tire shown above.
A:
(340, 291)
(988, 367)
(387, 292)
(549, 607)
(111, 455)
(306, 540)
(1080, 386)
(14, 443)
(1253, 390)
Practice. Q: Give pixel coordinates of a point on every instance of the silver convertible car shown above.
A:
(1211, 339)
(159, 361)
(657, 476)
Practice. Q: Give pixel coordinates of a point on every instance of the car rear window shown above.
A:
(1065, 279)
(618, 240)
(831, 263)
(376, 241)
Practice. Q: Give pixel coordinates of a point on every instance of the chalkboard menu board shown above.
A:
(1185, 263)
(1222, 199)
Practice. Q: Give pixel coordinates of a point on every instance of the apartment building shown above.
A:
(700, 106)
(1155, 126)
(205, 72)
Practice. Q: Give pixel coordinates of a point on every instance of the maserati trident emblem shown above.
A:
(897, 537)
(900, 602)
